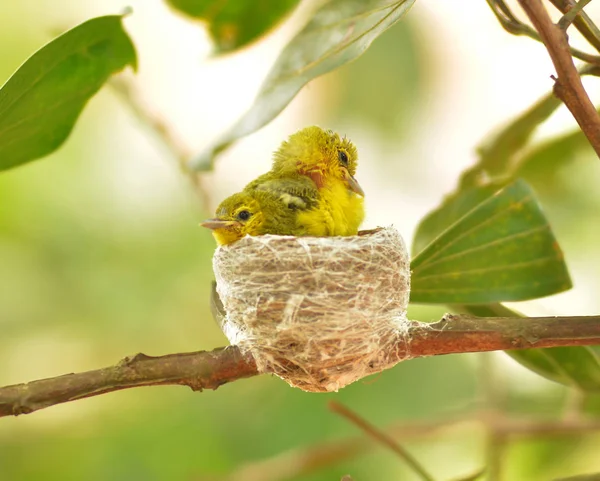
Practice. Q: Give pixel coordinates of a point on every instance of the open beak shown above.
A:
(213, 224)
(353, 184)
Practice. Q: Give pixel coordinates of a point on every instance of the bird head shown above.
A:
(321, 155)
(237, 216)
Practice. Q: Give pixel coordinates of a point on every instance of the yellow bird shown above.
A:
(255, 213)
(310, 190)
(330, 162)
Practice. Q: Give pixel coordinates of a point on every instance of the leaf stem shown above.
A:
(513, 25)
(568, 18)
(583, 23)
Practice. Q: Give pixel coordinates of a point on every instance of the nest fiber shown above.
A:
(319, 312)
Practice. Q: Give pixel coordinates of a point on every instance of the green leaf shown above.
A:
(338, 32)
(497, 154)
(233, 24)
(453, 208)
(544, 165)
(501, 250)
(389, 110)
(41, 102)
(576, 366)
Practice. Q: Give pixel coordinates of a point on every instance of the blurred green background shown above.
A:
(101, 257)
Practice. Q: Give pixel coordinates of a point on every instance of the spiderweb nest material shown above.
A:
(319, 312)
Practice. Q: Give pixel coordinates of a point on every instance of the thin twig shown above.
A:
(156, 124)
(381, 437)
(573, 406)
(567, 19)
(493, 405)
(512, 25)
(568, 86)
(583, 23)
(473, 476)
(306, 460)
(495, 448)
(303, 461)
(208, 370)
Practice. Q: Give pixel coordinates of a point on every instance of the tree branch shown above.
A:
(568, 86)
(198, 370)
(209, 370)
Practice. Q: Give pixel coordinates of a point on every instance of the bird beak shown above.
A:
(353, 184)
(213, 224)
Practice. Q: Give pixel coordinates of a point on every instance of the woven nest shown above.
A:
(319, 312)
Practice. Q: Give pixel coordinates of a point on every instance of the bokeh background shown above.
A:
(101, 255)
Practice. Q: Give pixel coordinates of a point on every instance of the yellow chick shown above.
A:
(330, 163)
(255, 213)
(310, 190)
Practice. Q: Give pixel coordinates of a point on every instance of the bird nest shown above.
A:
(319, 312)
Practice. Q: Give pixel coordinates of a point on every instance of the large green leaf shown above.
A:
(235, 23)
(453, 208)
(541, 166)
(338, 32)
(501, 250)
(545, 164)
(577, 366)
(41, 102)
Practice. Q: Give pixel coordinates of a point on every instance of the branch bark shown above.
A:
(198, 370)
(568, 86)
(209, 370)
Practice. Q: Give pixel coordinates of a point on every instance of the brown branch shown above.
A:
(568, 86)
(209, 370)
(198, 370)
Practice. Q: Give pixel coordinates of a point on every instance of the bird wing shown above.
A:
(298, 193)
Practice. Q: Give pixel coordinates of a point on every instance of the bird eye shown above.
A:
(343, 157)
(244, 215)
